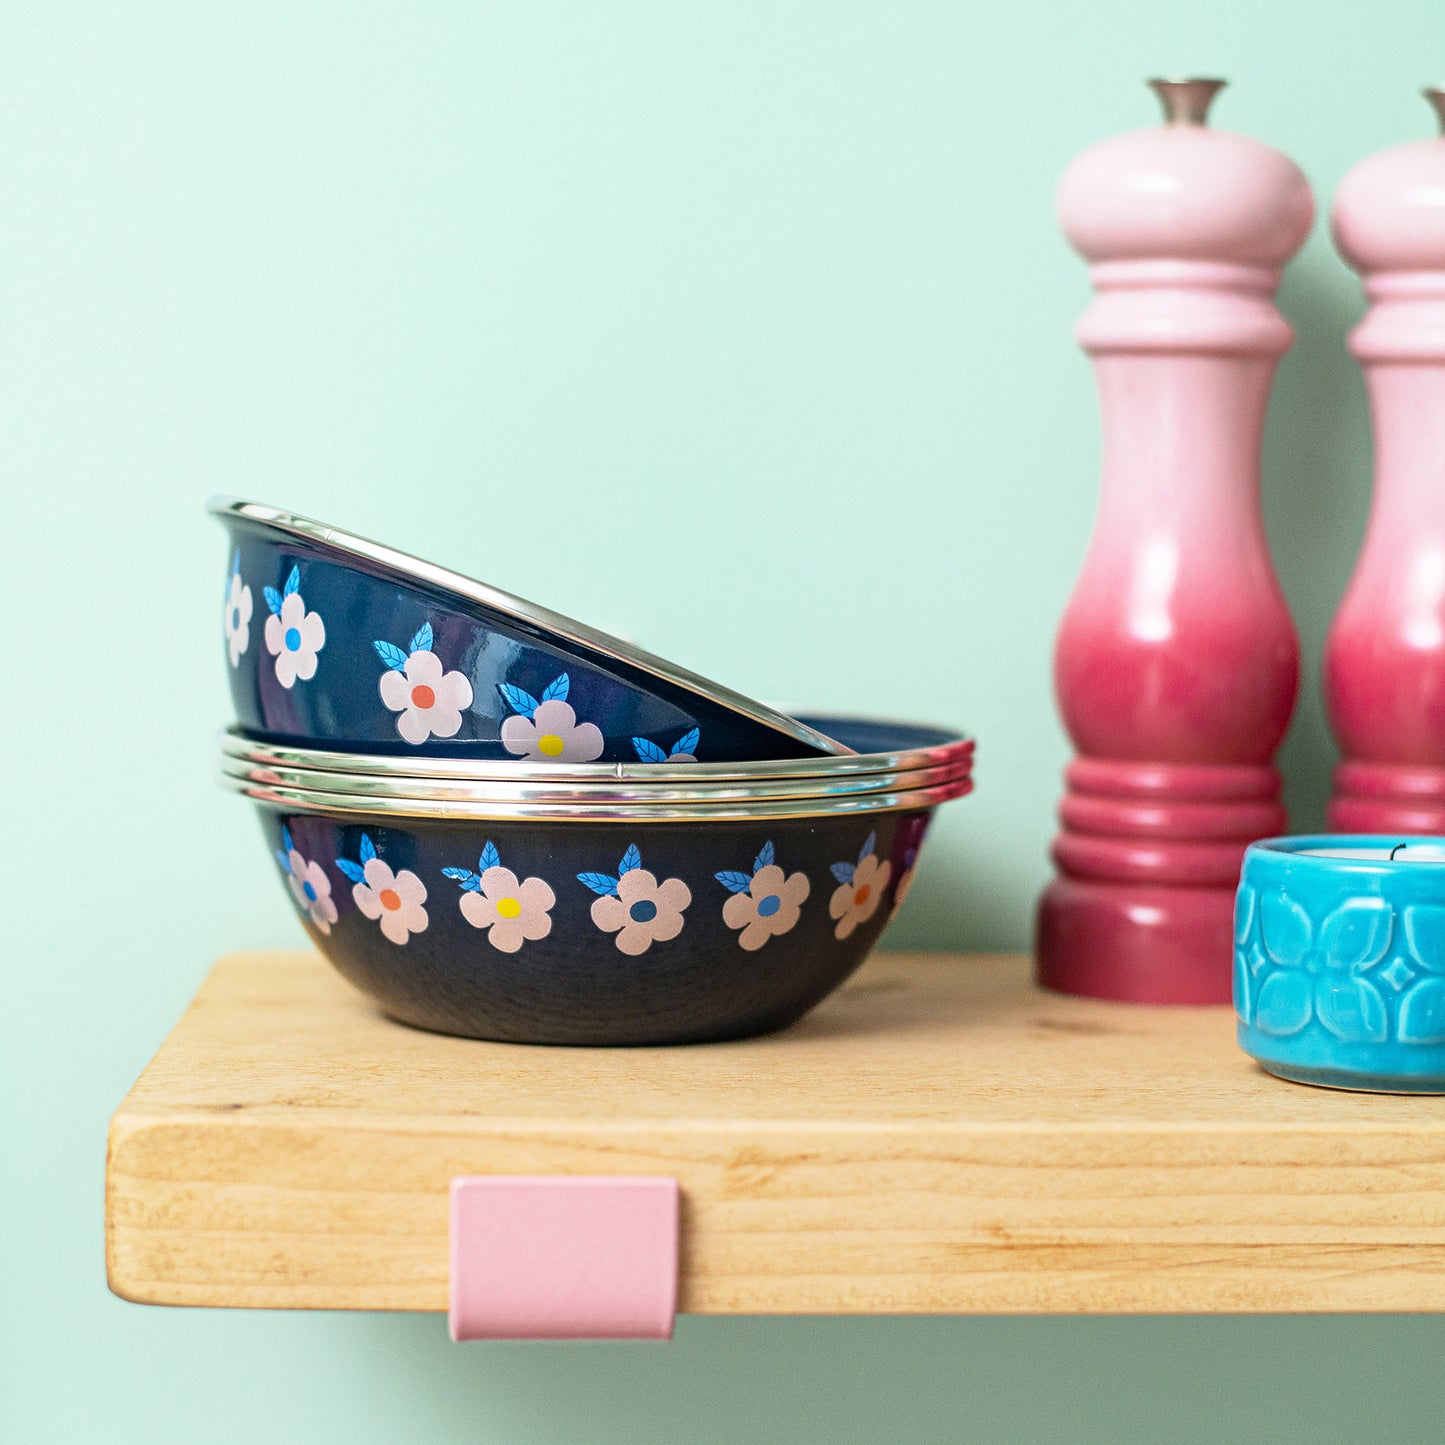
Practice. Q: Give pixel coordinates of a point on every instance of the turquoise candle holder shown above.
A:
(1339, 961)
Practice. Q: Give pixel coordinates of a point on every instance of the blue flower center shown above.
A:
(293, 639)
(235, 619)
(769, 905)
(643, 911)
(310, 892)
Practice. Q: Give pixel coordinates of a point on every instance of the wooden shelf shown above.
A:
(937, 1137)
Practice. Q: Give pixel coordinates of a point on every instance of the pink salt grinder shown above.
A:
(1384, 668)
(1176, 664)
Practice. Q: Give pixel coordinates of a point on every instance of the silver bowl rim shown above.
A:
(347, 805)
(235, 743)
(491, 790)
(480, 593)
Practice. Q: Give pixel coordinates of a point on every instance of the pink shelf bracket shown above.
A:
(564, 1258)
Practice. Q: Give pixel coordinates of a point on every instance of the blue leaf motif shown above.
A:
(648, 752)
(518, 700)
(601, 883)
(293, 581)
(469, 880)
(286, 839)
(490, 857)
(352, 870)
(1425, 935)
(1357, 934)
(236, 561)
(556, 690)
(630, 859)
(1243, 986)
(843, 872)
(734, 882)
(1422, 1013)
(1286, 929)
(368, 849)
(1351, 1009)
(868, 846)
(423, 640)
(391, 655)
(764, 858)
(1283, 1006)
(273, 599)
(687, 743)
(284, 861)
(458, 873)
(1244, 902)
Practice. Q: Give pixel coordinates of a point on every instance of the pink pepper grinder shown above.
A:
(1176, 663)
(1384, 670)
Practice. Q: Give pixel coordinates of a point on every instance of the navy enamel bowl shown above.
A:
(626, 931)
(335, 641)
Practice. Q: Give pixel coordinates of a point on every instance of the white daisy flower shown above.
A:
(429, 699)
(512, 912)
(636, 907)
(293, 635)
(238, 618)
(860, 890)
(310, 887)
(765, 903)
(548, 731)
(395, 899)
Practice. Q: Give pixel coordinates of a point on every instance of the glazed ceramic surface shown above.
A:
(1176, 663)
(1339, 961)
(1384, 661)
(596, 933)
(335, 640)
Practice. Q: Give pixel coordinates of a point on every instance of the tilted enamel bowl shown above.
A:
(338, 642)
(599, 923)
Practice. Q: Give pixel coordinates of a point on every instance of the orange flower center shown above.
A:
(862, 896)
(422, 696)
(390, 900)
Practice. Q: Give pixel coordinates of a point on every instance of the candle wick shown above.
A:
(1395, 850)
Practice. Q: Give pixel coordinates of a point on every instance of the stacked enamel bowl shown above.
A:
(501, 823)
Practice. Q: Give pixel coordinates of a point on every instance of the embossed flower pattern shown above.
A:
(1318, 974)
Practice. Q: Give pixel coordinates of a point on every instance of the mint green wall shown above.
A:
(743, 329)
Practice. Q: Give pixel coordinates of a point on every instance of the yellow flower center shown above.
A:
(550, 745)
(508, 908)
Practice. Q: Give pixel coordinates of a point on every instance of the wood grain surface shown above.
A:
(938, 1137)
